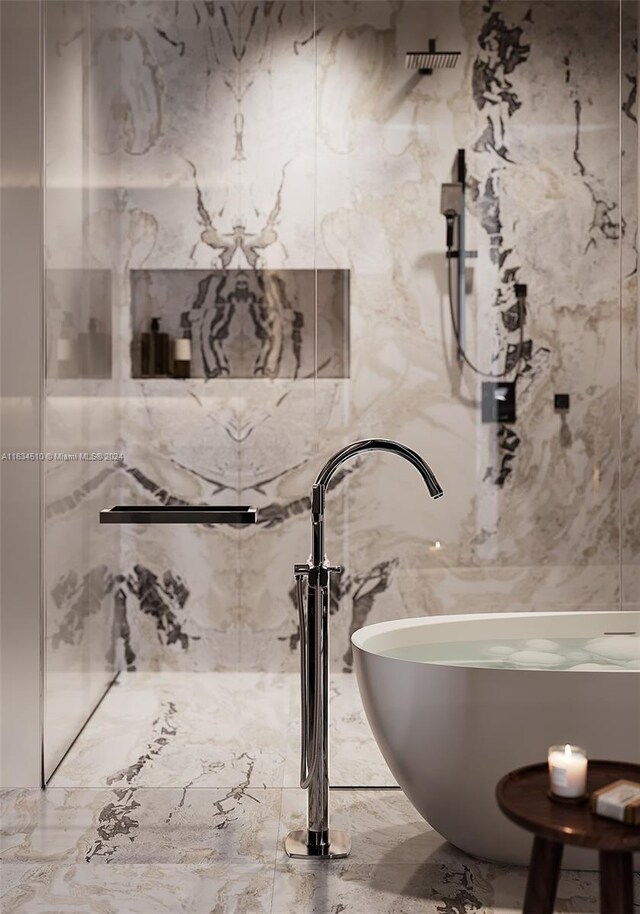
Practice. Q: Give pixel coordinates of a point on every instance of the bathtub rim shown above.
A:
(378, 637)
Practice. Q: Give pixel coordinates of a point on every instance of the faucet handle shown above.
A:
(301, 570)
(335, 569)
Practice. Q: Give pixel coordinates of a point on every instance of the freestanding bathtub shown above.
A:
(449, 727)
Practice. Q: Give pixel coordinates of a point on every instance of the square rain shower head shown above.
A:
(430, 60)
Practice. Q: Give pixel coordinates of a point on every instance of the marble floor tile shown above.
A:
(177, 784)
(384, 826)
(52, 826)
(140, 825)
(238, 825)
(431, 887)
(213, 730)
(12, 874)
(215, 851)
(183, 730)
(398, 864)
(143, 889)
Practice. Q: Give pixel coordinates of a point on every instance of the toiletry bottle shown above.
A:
(136, 354)
(181, 365)
(146, 354)
(95, 352)
(162, 351)
(155, 352)
(67, 349)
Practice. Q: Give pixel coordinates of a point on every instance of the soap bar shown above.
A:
(620, 800)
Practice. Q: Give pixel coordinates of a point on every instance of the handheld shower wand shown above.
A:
(451, 204)
(452, 207)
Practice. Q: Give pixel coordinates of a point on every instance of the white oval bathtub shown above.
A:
(449, 729)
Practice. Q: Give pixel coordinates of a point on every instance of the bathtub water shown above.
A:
(609, 652)
(455, 702)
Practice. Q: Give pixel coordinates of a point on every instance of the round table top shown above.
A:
(522, 796)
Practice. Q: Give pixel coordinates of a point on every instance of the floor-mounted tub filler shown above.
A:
(455, 702)
(317, 840)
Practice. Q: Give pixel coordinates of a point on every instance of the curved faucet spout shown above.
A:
(380, 444)
(326, 473)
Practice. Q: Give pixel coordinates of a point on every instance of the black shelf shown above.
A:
(179, 514)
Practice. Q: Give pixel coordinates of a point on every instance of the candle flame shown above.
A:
(567, 751)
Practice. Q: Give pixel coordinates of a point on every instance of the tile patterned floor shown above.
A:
(209, 729)
(177, 799)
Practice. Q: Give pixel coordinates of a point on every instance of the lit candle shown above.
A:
(568, 771)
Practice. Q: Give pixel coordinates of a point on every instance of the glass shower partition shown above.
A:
(81, 397)
(258, 188)
(531, 516)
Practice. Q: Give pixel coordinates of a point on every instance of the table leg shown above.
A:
(544, 872)
(616, 882)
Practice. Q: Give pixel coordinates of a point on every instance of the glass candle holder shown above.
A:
(568, 771)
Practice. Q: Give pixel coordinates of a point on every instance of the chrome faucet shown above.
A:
(316, 840)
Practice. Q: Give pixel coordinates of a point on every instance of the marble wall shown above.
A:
(290, 136)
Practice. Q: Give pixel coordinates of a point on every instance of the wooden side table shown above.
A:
(523, 797)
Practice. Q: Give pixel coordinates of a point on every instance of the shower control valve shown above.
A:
(316, 575)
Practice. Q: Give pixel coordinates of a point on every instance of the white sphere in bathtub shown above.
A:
(500, 650)
(616, 647)
(536, 658)
(542, 644)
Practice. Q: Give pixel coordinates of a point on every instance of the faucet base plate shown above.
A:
(297, 845)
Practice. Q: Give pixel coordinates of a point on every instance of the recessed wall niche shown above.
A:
(240, 323)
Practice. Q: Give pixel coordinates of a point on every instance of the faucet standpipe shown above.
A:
(317, 840)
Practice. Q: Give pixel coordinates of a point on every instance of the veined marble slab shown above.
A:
(216, 730)
(184, 729)
(142, 889)
(140, 825)
(167, 856)
(398, 865)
